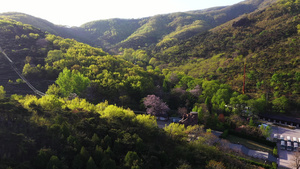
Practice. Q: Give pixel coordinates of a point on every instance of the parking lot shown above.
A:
(285, 157)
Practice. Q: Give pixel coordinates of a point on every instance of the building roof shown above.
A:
(281, 118)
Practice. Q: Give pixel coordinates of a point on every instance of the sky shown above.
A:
(78, 12)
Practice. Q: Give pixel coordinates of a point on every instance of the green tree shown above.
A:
(176, 130)
(53, 90)
(98, 154)
(91, 164)
(281, 104)
(2, 92)
(275, 151)
(50, 102)
(42, 159)
(131, 159)
(251, 123)
(220, 98)
(266, 130)
(209, 88)
(54, 163)
(84, 154)
(258, 105)
(297, 75)
(77, 162)
(72, 82)
(96, 139)
(108, 163)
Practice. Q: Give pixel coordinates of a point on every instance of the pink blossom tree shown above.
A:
(155, 106)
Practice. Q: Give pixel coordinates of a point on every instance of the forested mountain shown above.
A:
(137, 33)
(64, 130)
(165, 28)
(46, 26)
(266, 41)
(191, 61)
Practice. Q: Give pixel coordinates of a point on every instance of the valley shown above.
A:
(227, 65)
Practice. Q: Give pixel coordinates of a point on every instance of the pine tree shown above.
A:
(91, 164)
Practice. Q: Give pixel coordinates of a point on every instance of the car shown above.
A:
(282, 145)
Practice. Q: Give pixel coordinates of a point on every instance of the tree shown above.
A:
(96, 139)
(43, 158)
(108, 163)
(54, 162)
(275, 151)
(84, 154)
(212, 164)
(155, 106)
(266, 130)
(50, 102)
(53, 90)
(131, 159)
(251, 123)
(209, 88)
(280, 104)
(146, 120)
(91, 164)
(176, 130)
(295, 162)
(72, 82)
(2, 92)
(258, 105)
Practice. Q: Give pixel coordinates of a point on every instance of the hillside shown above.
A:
(267, 41)
(168, 65)
(158, 30)
(165, 28)
(46, 26)
(23, 44)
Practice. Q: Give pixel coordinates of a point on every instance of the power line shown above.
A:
(12, 64)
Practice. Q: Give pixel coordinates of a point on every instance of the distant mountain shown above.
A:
(160, 29)
(63, 31)
(151, 31)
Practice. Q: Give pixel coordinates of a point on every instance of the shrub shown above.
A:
(253, 138)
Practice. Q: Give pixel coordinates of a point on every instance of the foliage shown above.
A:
(212, 164)
(114, 112)
(2, 92)
(72, 82)
(176, 130)
(155, 106)
(251, 122)
(280, 104)
(131, 159)
(49, 102)
(266, 131)
(275, 152)
(146, 120)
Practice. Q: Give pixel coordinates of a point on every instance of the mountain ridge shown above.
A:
(112, 34)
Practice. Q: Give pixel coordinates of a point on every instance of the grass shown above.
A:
(250, 144)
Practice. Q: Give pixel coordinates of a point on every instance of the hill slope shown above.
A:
(266, 40)
(137, 33)
(165, 28)
(46, 26)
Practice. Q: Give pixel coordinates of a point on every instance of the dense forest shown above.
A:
(166, 65)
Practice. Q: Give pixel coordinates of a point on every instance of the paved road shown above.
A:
(162, 124)
(253, 153)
